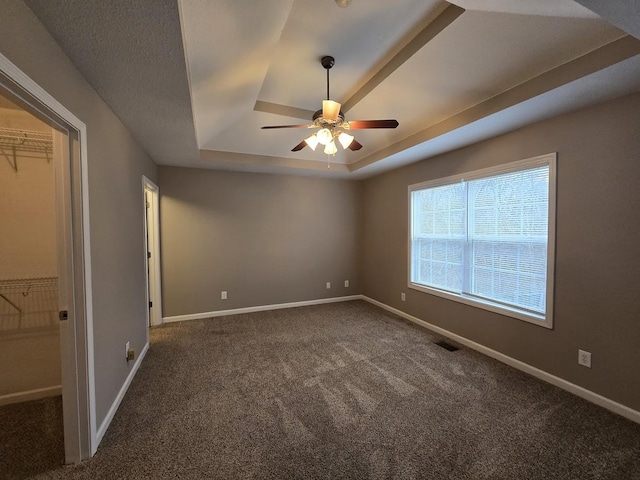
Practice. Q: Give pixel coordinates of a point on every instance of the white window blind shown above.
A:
(508, 218)
(486, 239)
(441, 218)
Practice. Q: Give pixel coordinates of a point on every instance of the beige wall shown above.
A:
(29, 343)
(116, 165)
(597, 257)
(265, 239)
(28, 215)
(29, 362)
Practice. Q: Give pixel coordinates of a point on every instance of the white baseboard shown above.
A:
(36, 394)
(123, 390)
(259, 308)
(588, 395)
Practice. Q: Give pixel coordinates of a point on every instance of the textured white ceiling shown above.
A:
(625, 14)
(132, 54)
(194, 80)
(547, 8)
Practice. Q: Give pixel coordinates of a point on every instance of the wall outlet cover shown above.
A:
(584, 358)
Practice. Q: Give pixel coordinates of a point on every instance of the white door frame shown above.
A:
(151, 203)
(72, 207)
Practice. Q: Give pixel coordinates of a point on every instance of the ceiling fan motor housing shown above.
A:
(328, 61)
(320, 121)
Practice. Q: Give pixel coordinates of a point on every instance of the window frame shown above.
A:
(545, 320)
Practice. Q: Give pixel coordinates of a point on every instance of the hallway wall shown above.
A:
(116, 164)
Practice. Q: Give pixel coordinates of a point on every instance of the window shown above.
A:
(487, 238)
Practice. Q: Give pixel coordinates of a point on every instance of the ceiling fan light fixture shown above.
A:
(312, 141)
(345, 139)
(330, 110)
(324, 136)
(330, 148)
(330, 121)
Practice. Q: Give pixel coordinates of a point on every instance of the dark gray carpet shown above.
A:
(346, 391)
(31, 439)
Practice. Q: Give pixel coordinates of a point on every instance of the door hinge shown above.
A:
(63, 315)
(148, 254)
(150, 304)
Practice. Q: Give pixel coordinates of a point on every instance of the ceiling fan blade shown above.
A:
(361, 124)
(299, 146)
(268, 127)
(354, 145)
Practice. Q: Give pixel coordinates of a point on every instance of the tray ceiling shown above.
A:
(195, 80)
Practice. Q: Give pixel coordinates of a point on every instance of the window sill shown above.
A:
(540, 320)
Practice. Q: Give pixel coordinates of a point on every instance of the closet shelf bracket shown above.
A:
(13, 164)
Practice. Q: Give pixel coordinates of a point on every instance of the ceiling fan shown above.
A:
(332, 125)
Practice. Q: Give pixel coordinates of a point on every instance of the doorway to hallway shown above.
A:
(152, 245)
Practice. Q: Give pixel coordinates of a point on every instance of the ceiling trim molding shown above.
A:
(284, 110)
(232, 158)
(596, 60)
(429, 28)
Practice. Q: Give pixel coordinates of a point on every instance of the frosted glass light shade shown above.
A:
(324, 136)
(312, 141)
(331, 148)
(345, 140)
(330, 110)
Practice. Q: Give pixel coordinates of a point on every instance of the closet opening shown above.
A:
(47, 393)
(30, 368)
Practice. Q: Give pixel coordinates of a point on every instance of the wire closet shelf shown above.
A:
(17, 143)
(28, 304)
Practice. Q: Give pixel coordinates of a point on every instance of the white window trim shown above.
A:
(549, 159)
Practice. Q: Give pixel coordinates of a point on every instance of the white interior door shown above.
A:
(152, 244)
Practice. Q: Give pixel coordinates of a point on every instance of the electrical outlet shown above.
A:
(346, 283)
(127, 347)
(223, 295)
(131, 354)
(584, 358)
(328, 285)
(403, 297)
